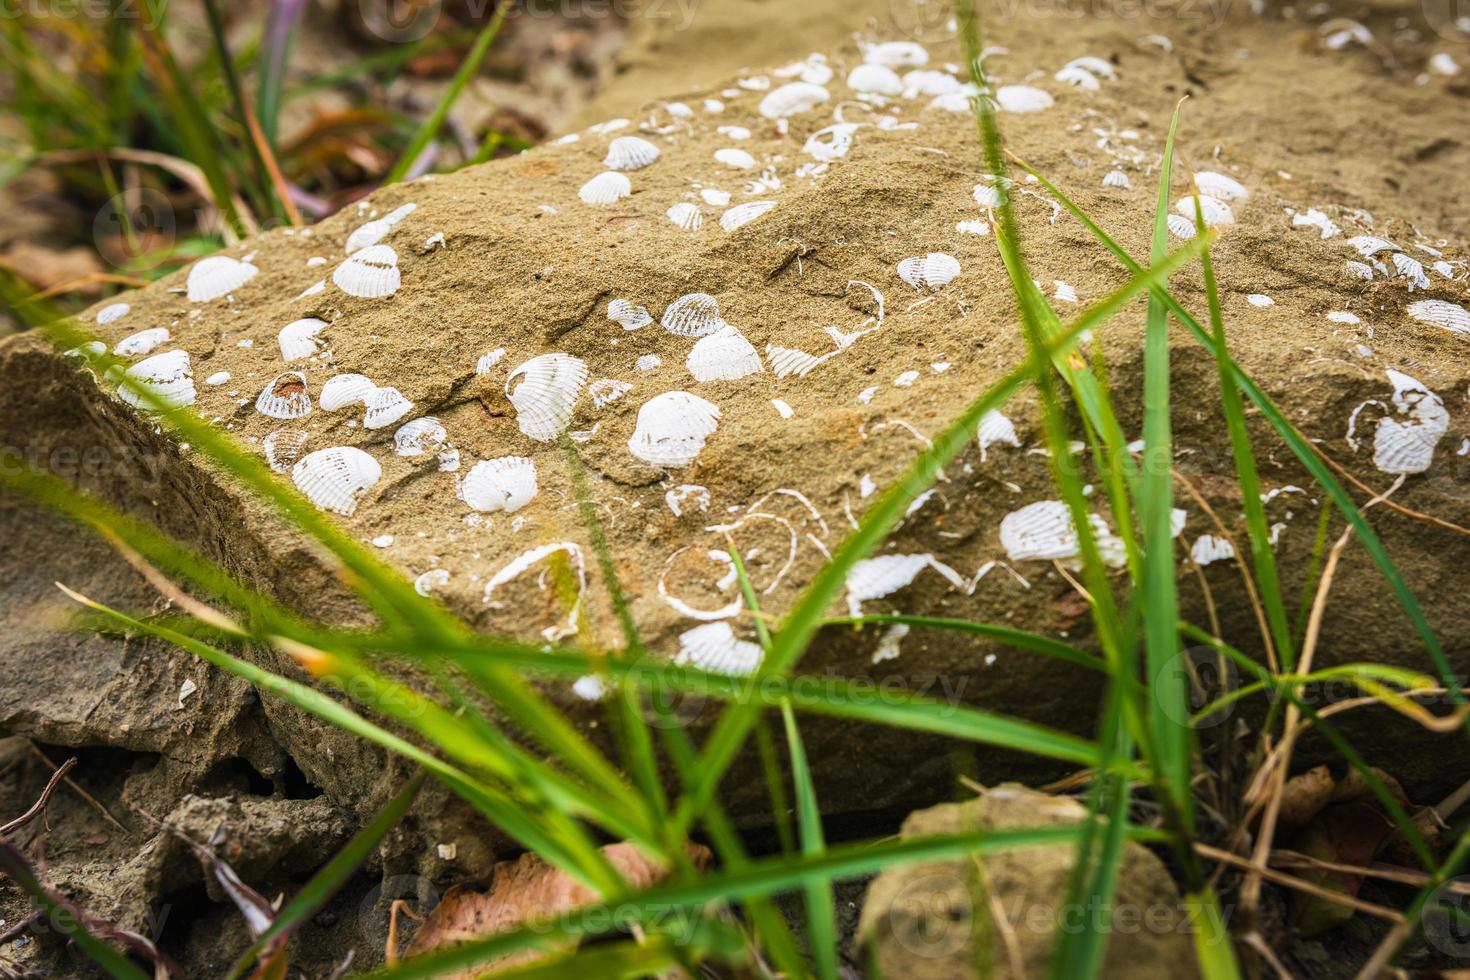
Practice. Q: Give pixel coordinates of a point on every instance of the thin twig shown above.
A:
(91, 800)
(1347, 475)
(1298, 884)
(40, 804)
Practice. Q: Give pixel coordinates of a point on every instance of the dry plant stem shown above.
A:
(166, 588)
(1298, 884)
(1250, 892)
(40, 804)
(90, 279)
(390, 955)
(88, 797)
(1003, 925)
(1417, 515)
(1258, 943)
(273, 168)
(20, 927)
(1402, 876)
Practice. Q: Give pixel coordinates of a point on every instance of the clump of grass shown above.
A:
(560, 797)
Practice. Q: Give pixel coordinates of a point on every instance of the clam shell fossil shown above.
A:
(1117, 178)
(298, 338)
(546, 394)
(743, 214)
(897, 54)
(504, 484)
(342, 390)
(216, 276)
(285, 398)
(376, 230)
(112, 313)
(1023, 98)
(1441, 313)
(1078, 77)
(283, 448)
(1408, 446)
(874, 80)
(1207, 548)
(995, 428)
(792, 99)
(693, 315)
(606, 188)
(1180, 226)
(336, 479)
(370, 273)
(631, 317)
(933, 271)
(672, 429)
(1220, 187)
(831, 143)
(1044, 531)
(487, 362)
(723, 356)
(1215, 211)
(734, 158)
(714, 647)
(142, 342)
(1095, 65)
(167, 377)
(419, 436)
(686, 216)
(927, 82)
(1370, 245)
(385, 406)
(1411, 269)
(630, 153)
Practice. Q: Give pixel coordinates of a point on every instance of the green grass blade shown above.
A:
(821, 909)
(1212, 947)
(467, 69)
(325, 883)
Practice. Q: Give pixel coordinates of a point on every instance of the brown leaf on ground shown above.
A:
(1305, 794)
(526, 889)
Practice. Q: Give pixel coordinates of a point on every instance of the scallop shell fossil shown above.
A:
(743, 214)
(606, 188)
(1215, 211)
(342, 390)
(791, 99)
(672, 429)
(285, 398)
(1441, 313)
(504, 484)
(283, 448)
(1408, 446)
(693, 315)
(714, 647)
(385, 406)
(168, 378)
(546, 394)
(376, 230)
(723, 356)
(631, 317)
(874, 578)
(336, 479)
(1044, 531)
(216, 276)
(630, 153)
(686, 216)
(933, 271)
(419, 436)
(298, 338)
(142, 342)
(370, 273)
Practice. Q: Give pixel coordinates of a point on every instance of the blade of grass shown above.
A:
(467, 69)
(1212, 947)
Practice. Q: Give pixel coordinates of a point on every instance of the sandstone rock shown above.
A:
(943, 919)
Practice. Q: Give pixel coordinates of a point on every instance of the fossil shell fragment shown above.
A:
(735, 158)
(369, 273)
(996, 428)
(875, 80)
(504, 484)
(419, 436)
(285, 398)
(723, 356)
(605, 189)
(216, 276)
(896, 54)
(715, 647)
(1407, 445)
(605, 391)
(385, 406)
(112, 313)
(792, 99)
(1215, 211)
(1078, 77)
(1220, 187)
(283, 448)
(342, 390)
(1023, 98)
(298, 338)
(376, 230)
(1441, 313)
(831, 143)
(630, 153)
(167, 377)
(686, 216)
(336, 479)
(743, 214)
(546, 394)
(142, 342)
(933, 271)
(693, 315)
(1044, 531)
(1208, 548)
(631, 317)
(672, 429)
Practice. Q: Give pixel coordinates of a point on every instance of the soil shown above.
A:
(1366, 133)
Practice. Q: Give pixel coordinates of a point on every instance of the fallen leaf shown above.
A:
(1305, 794)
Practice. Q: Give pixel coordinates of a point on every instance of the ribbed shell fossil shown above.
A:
(142, 342)
(672, 429)
(933, 271)
(734, 158)
(723, 356)
(283, 448)
(715, 648)
(285, 398)
(629, 316)
(606, 188)
(385, 407)
(743, 214)
(630, 153)
(372, 232)
(546, 393)
(693, 315)
(112, 313)
(336, 479)
(417, 437)
(369, 273)
(504, 484)
(686, 215)
(342, 390)
(167, 377)
(298, 338)
(1441, 313)
(791, 99)
(216, 276)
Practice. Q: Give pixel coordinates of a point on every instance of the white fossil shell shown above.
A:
(1078, 77)
(791, 99)
(218, 378)
(507, 484)
(419, 436)
(1180, 226)
(1219, 186)
(743, 214)
(631, 317)
(1260, 299)
(1117, 178)
(723, 356)
(1023, 98)
(1215, 211)
(335, 479)
(648, 362)
(933, 271)
(875, 80)
(1044, 531)
(216, 276)
(1370, 245)
(927, 82)
(989, 194)
(1408, 446)
(975, 226)
(606, 188)
(1097, 66)
(283, 448)
(953, 101)
(1359, 270)
(112, 313)
(87, 351)
(142, 342)
(546, 394)
(168, 377)
(874, 578)
(605, 391)
(686, 215)
(896, 54)
(996, 428)
(285, 398)
(734, 157)
(487, 361)
(342, 390)
(831, 143)
(1312, 218)
(1208, 548)
(376, 230)
(369, 273)
(715, 648)
(385, 407)
(298, 338)
(1411, 269)
(672, 429)
(1441, 313)
(693, 315)
(630, 153)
